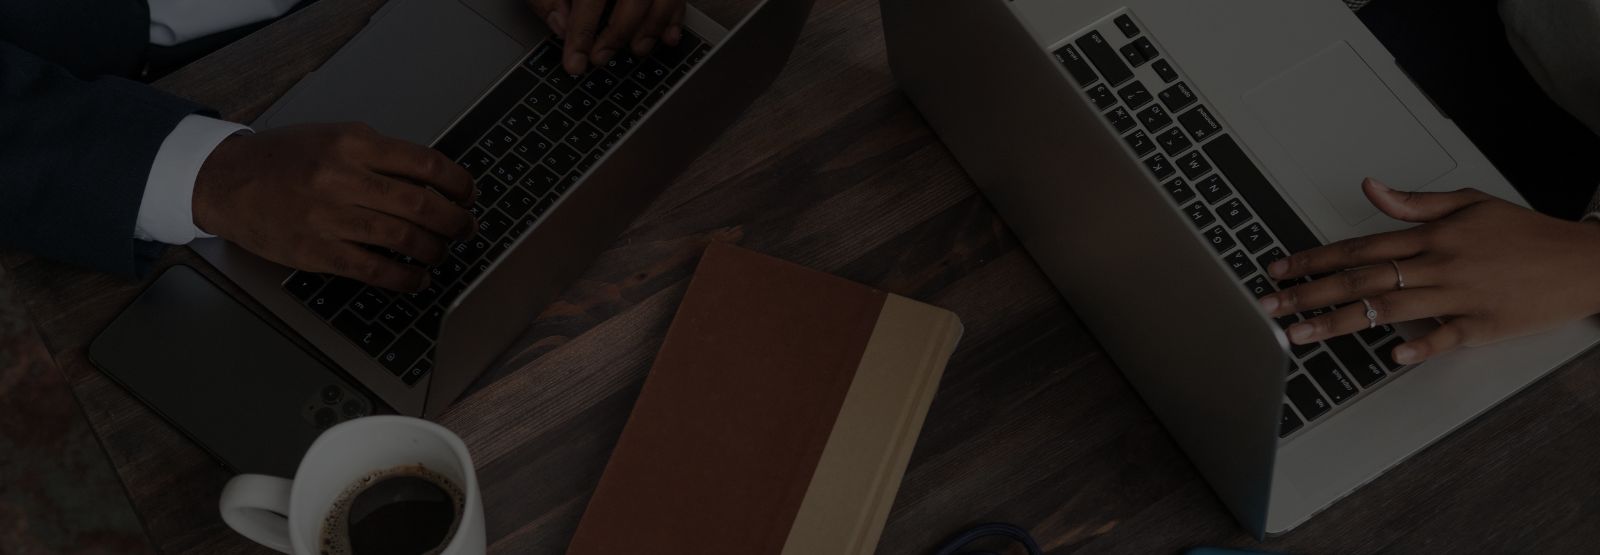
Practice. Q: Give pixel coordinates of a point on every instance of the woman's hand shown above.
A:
(634, 24)
(1488, 269)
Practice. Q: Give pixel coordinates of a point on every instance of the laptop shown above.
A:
(1154, 155)
(562, 164)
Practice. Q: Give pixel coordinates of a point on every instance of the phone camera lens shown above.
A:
(332, 394)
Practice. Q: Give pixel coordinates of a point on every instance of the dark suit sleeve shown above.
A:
(74, 158)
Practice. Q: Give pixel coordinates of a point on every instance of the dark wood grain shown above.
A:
(835, 170)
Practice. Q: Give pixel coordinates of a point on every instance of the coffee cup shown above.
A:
(364, 485)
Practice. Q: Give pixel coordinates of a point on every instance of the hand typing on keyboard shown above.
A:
(1488, 269)
(315, 197)
(634, 24)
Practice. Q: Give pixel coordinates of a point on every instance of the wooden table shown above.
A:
(835, 170)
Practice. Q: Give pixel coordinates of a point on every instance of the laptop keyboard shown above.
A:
(526, 143)
(1145, 98)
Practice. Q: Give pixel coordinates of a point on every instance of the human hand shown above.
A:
(1489, 269)
(634, 24)
(311, 196)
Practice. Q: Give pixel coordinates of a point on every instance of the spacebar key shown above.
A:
(1107, 60)
(1247, 179)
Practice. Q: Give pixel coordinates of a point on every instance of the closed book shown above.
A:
(778, 418)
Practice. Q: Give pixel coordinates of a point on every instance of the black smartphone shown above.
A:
(225, 378)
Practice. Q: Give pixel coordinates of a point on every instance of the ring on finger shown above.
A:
(1371, 314)
(1399, 278)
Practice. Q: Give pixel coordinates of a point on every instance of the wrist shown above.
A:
(210, 186)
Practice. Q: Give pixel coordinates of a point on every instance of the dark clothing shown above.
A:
(76, 144)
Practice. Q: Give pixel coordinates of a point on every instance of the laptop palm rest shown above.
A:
(416, 67)
(1340, 123)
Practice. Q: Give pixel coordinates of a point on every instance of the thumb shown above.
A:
(1418, 207)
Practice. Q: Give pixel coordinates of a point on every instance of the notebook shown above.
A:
(778, 417)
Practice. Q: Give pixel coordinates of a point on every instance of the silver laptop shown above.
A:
(1153, 155)
(563, 164)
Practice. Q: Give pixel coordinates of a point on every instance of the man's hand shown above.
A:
(634, 24)
(312, 196)
(1489, 269)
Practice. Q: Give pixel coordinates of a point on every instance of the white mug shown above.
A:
(288, 515)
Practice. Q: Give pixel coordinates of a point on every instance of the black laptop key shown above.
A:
(1131, 53)
(1254, 237)
(1334, 382)
(445, 273)
(649, 72)
(564, 82)
(488, 110)
(555, 125)
(1213, 189)
(542, 99)
(428, 324)
(510, 169)
(540, 181)
(497, 141)
(369, 303)
(1140, 143)
(1373, 335)
(1240, 263)
(1199, 215)
(1199, 123)
(1076, 66)
(470, 249)
(489, 191)
(1165, 71)
(544, 61)
(416, 372)
(1179, 190)
(426, 296)
(1173, 142)
(1094, 46)
(1135, 95)
(1289, 422)
(405, 352)
(607, 115)
(577, 105)
(599, 83)
(1102, 96)
(519, 120)
(1155, 118)
(585, 137)
(630, 94)
(333, 296)
(304, 284)
(476, 162)
(1259, 286)
(1233, 213)
(562, 159)
(1125, 24)
(1316, 313)
(1219, 239)
(1177, 97)
(491, 227)
(1385, 354)
(1231, 161)
(1121, 120)
(1355, 359)
(1305, 397)
(699, 55)
(370, 336)
(621, 63)
(1159, 166)
(1272, 255)
(517, 203)
(1147, 48)
(676, 76)
(398, 316)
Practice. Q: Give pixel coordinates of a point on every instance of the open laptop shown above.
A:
(1154, 155)
(563, 164)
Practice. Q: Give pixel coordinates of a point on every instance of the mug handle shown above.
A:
(257, 507)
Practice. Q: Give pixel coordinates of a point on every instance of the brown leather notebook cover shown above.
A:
(778, 417)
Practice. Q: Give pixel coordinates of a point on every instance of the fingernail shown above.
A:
(603, 56)
(558, 23)
(576, 63)
(1269, 304)
(673, 35)
(1405, 354)
(1278, 268)
(1300, 332)
(1379, 185)
(643, 46)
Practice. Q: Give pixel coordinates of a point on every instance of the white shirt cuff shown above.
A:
(166, 212)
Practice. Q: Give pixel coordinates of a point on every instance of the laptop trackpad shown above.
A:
(1340, 124)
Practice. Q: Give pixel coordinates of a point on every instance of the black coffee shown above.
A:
(405, 510)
